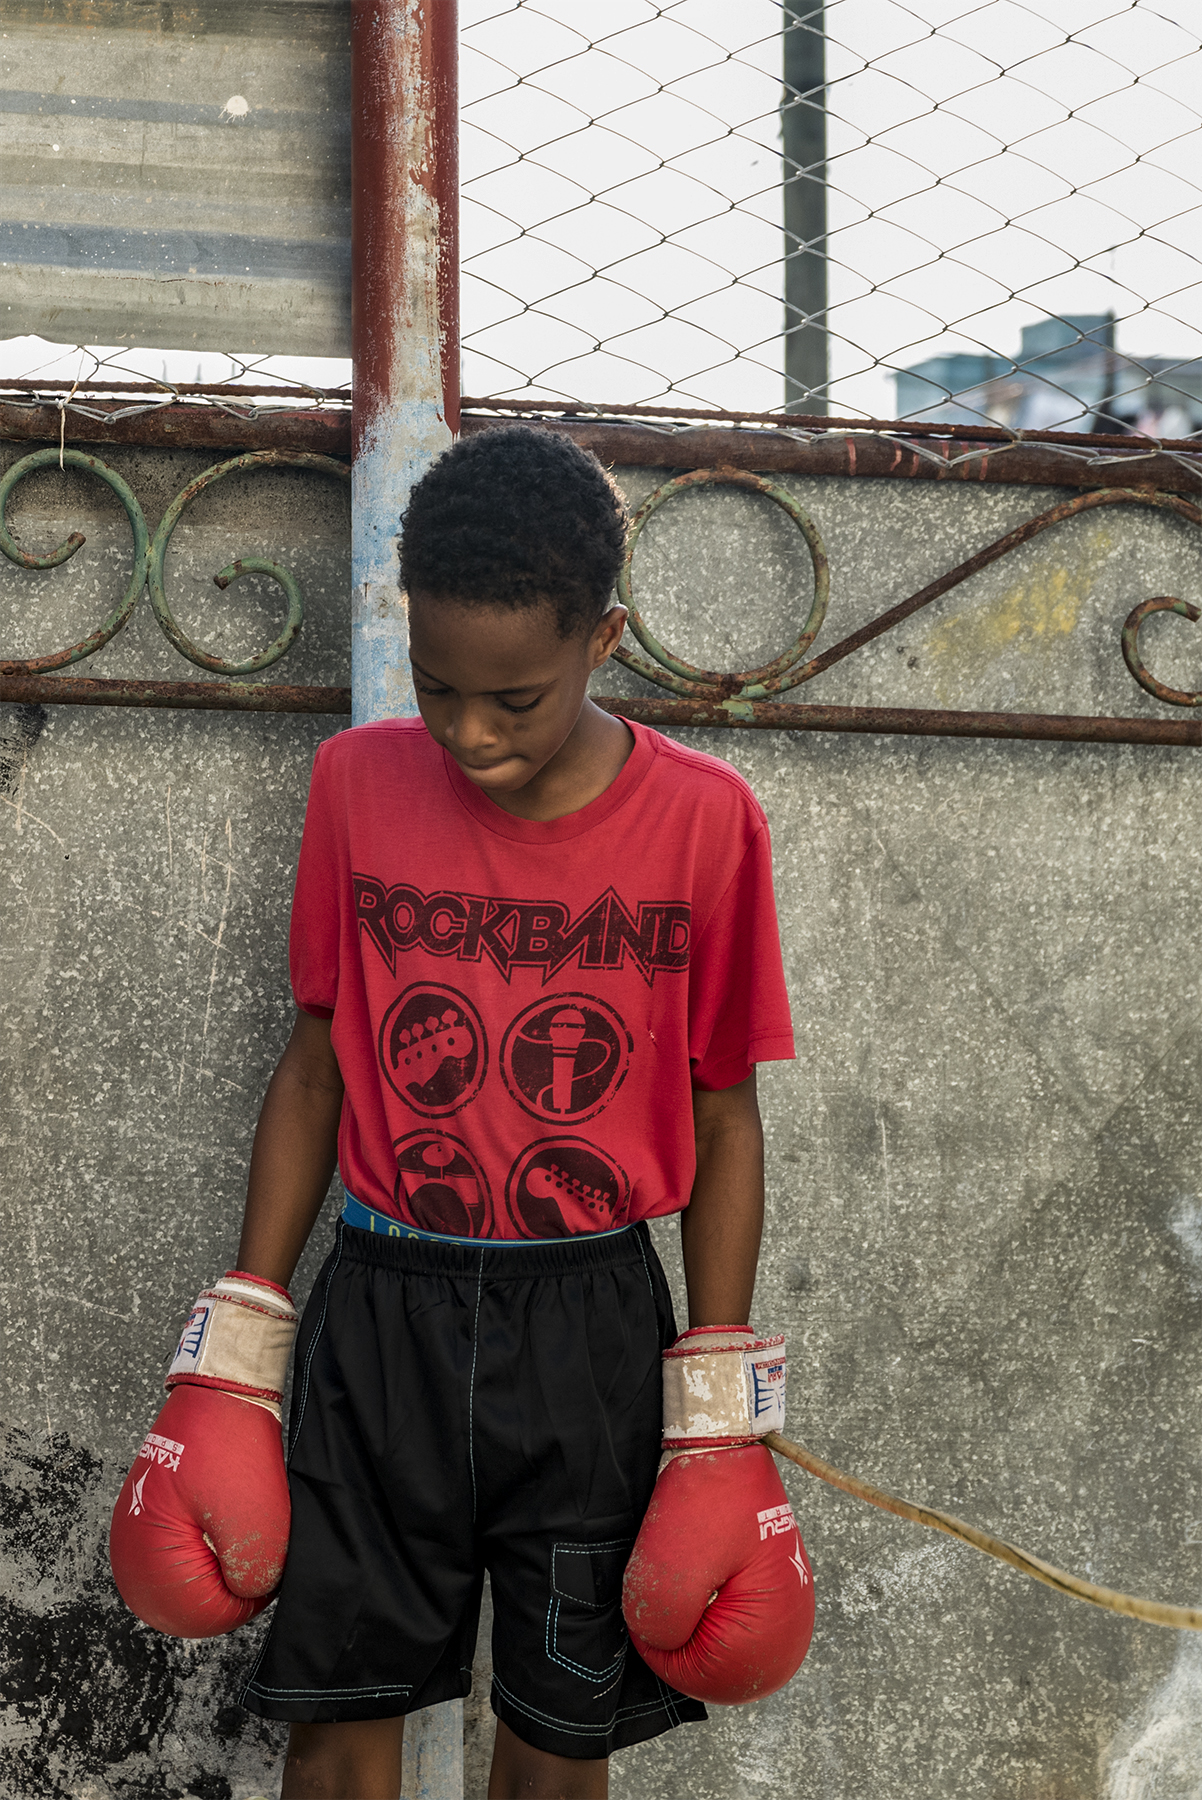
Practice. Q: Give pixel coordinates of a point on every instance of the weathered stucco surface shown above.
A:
(985, 1232)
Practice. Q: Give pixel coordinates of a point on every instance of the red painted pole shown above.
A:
(404, 307)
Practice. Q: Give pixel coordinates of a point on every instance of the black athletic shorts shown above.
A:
(459, 1409)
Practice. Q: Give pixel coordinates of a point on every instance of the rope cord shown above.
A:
(1153, 1612)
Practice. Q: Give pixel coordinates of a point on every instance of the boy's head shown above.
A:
(510, 547)
(516, 517)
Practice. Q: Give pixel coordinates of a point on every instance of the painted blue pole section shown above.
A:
(393, 455)
(432, 1764)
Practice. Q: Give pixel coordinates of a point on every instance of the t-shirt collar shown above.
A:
(575, 824)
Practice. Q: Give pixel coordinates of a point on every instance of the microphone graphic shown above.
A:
(565, 1031)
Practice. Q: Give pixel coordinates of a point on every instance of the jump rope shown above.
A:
(1153, 1612)
(566, 1035)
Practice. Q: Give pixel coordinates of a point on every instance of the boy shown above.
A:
(535, 959)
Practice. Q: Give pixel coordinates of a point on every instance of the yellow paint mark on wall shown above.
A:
(1030, 616)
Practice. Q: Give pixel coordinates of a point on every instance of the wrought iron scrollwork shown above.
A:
(121, 614)
(737, 693)
(742, 698)
(150, 558)
(709, 684)
(1135, 618)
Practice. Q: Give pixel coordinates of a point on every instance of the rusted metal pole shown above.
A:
(404, 309)
(187, 696)
(761, 715)
(405, 411)
(904, 721)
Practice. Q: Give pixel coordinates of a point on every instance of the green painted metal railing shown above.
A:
(700, 697)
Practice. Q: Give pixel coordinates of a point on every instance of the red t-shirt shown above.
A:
(520, 1009)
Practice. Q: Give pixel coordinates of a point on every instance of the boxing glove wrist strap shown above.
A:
(722, 1385)
(238, 1337)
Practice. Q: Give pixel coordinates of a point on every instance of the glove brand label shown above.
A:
(776, 1521)
(163, 1451)
(766, 1380)
(193, 1333)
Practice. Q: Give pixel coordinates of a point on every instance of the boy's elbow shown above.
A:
(309, 1060)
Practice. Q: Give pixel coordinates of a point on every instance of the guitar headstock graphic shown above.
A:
(422, 1049)
(581, 1206)
(433, 1050)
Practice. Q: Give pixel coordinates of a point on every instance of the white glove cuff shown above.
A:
(722, 1385)
(238, 1337)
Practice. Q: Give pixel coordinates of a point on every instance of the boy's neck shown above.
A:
(590, 760)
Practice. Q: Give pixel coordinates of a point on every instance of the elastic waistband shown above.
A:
(372, 1237)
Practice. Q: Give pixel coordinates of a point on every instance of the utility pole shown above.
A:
(405, 346)
(803, 132)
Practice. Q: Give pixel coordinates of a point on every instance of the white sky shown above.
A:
(988, 164)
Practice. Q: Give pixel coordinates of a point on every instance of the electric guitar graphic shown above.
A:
(419, 1051)
(583, 1208)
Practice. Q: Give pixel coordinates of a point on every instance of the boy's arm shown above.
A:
(721, 1226)
(717, 1595)
(197, 1554)
(294, 1154)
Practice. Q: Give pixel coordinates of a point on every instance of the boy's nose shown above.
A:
(470, 729)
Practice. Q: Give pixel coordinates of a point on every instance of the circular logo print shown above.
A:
(441, 1187)
(565, 1058)
(562, 1187)
(432, 1049)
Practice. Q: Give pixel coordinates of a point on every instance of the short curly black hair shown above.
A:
(516, 516)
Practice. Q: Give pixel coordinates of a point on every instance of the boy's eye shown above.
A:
(424, 687)
(529, 706)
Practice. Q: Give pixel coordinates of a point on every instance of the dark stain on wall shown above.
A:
(20, 729)
(91, 1696)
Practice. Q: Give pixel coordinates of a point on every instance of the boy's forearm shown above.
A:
(294, 1154)
(721, 1226)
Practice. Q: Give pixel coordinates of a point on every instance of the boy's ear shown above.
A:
(608, 635)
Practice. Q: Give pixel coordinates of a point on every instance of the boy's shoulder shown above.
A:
(700, 779)
(380, 737)
(674, 777)
(386, 743)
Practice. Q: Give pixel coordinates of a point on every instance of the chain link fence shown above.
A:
(73, 377)
(937, 210)
(985, 213)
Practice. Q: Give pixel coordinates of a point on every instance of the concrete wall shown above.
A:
(985, 1235)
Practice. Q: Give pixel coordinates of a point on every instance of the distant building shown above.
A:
(1068, 376)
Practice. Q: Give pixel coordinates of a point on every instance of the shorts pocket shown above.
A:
(586, 1632)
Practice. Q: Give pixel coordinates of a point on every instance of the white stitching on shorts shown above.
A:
(278, 1693)
(471, 1390)
(625, 1543)
(612, 1674)
(568, 1725)
(321, 1324)
(669, 1698)
(646, 1270)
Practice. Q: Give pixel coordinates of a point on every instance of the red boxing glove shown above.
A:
(718, 1595)
(200, 1529)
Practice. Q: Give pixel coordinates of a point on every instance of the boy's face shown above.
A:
(498, 687)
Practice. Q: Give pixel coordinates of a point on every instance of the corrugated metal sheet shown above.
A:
(176, 175)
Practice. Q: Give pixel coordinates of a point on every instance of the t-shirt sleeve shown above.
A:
(738, 1002)
(313, 937)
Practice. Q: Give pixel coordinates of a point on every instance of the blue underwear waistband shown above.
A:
(364, 1218)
